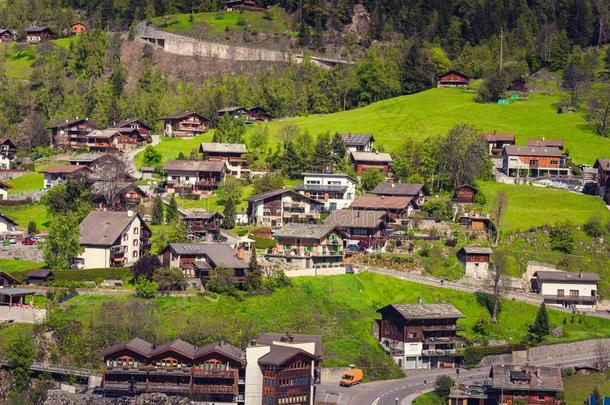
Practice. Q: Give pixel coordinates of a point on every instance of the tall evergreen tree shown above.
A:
(254, 276)
(322, 156)
(158, 215)
(171, 214)
(338, 149)
(291, 165)
(540, 328)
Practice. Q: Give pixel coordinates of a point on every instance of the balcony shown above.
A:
(170, 388)
(439, 327)
(200, 372)
(214, 389)
(126, 370)
(173, 371)
(572, 298)
(438, 352)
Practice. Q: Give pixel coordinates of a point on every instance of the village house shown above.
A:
(6, 35)
(282, 369)
(417, 192)
(233, 154)
(78, 27)
(91, 159)
(59, 174)
(337, 191)
(531, 161)
(7, 224)
(510, 384)
(475, 260)
(362, 161)
(257, 113)
(212, 374)
(71, 134)
(420, 336)
(234, 112)
(363, 229)
(132, 196)
(465, 194)
(200, 224)
(129, 125)
(396, 208)
(603, 178)
(575, 290)
(278, 207)
(111, 239)
(358, 142)
(546, 143)
(8, 150)
(306, 246)
(103, 140)
(35, 35)
(196, 260)
(497, 142)
(39, 276)
(4, 187)
(6, 280)
(185, 124)
(452, 78)
(194, 176)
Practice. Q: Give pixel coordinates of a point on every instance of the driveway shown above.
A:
(131, 166)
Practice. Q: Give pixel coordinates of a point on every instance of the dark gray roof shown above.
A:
(304, 231)
(178, 345)
(426, 311)
(269, 338)
(375, 202)
(405, 189)
(355, 218)
(278, 355)
(217, 147)
(357, 139)
(526, 378)
(274, 193)
(197, 214)
(38, 29)
(513, 150)
(194, 166)
(103, 228)
(199, 265)
(223, 348)
(41, 273)
(8, 277)
(87, 157)
(231, 109)
(127, 122)
(377, 157)
(566, 276)
(184, 114)
(220, 254)
(11, 292)
(331, 175)
(477, 250)
(70, 122)
(137, 345)
(321, 187)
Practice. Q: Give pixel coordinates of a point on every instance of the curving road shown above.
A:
(403, 390)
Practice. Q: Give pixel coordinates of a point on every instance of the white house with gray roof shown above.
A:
(576, 290)
(111, 239)
(233, 154)
(336, 191)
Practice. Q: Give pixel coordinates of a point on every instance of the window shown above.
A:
(136, 230)
(125, 236)
(560, 293)
(135, 254)
(412, 335)
(573, 293)
(135, 242)
(554, 162)
(540, 397)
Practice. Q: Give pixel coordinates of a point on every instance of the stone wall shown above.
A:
(22, 252)
(22, 314)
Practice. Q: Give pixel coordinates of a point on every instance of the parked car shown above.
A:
(29, 241)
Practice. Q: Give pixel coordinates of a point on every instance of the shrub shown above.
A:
(562, 237)
(474, 354)
(479, 198)
(438, 208)
(32, 228)
(443, 385)
(593, 227)
(145, 288)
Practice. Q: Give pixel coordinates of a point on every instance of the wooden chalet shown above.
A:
(532, 161)
(194, 177)
(78, 27)
(6, 280)
(234, 112)
(420, 336)
(453, 78)
(465, 194)
(358, 142)
(185, 124)
(397, 208)
(278, 207)
(6, 35)
(233, 154)
(208, 374)
(257, 113)
(362, 161)
(106, 140)
(36, 35)
(200, 224)
(546, 143)
(128, 126)
(363, 229)
(518, 85)
(476, 222)
(132, 196)
(59, 174)
(71, 134)
(196, 260)
(603, 178)
(510, 384)
(497, 142)
(250, 5)
(416, 191)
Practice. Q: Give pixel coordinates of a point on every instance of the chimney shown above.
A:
(580, 274)
(154, 344)
(393, 184)
(129, 213)
(419, 299)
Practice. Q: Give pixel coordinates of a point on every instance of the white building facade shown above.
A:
(567, 289)
(337, 191)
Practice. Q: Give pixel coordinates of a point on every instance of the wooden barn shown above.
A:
(465, 194)
(453, 78)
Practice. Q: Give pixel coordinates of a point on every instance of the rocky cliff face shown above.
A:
(361, 22)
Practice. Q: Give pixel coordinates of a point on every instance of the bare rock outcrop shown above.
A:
(361, 22)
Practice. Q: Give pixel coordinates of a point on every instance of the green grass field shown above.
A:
(577, 388)
(341, 309)
(530, 206)
(19, 58)
(211, 203)
(28, 182)
(436, 111)
(16, 266)
(181, 23)
(171, 147)
(23, 214)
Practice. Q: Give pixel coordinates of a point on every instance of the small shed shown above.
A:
(476, 222)
(6, 280)
(465, 194)
(15, 296)
(147, 172)
(38, 277)
(475, 260)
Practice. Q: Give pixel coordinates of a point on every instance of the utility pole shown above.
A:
(501, 45)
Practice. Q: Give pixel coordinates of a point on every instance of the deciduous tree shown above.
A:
(62, 242)
(498, 211)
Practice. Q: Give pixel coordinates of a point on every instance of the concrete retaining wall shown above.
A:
(315, 272)
(332, 375)
(22, 314)
(22, 252)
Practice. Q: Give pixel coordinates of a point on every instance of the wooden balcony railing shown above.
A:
(214, 389)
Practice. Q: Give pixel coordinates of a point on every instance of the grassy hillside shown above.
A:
(18, 58)
(171, 147)
(530, 206)
(341, 308)
(577, 388)
(23, 214)
(436, 111)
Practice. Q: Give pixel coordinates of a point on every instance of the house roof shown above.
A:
(63, 169)
(513, 150)
(222, 348)
(477, 250)
(356, 219)
(3, 30)
(70, 122)
(274, 193)
(566, 276)
(128, 121)
(103, 228)
(269, 338)
(321, 187)
(279, 355)
(88, 157)
(38, 29)
(604, 163)
(217, 147)
(184, 114)
(12, 292)
(404, 189)
(7, 218)
(6, 140)
(197, 213)
(40, 273)
(426, 311)
(549, 143)
(377, 157)
(357, 139)
(499, 137)
(179, 346)
(526, 378)
(231, 109)
(103, 133)
(137, 345)
(220, 254)
(466, 186)
(455, 72)
(330, 175)
(304, 231)
(194, 166)
(381, 202)
(8, 277)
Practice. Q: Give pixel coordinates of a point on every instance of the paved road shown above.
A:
(131, 169)
(419, 381)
